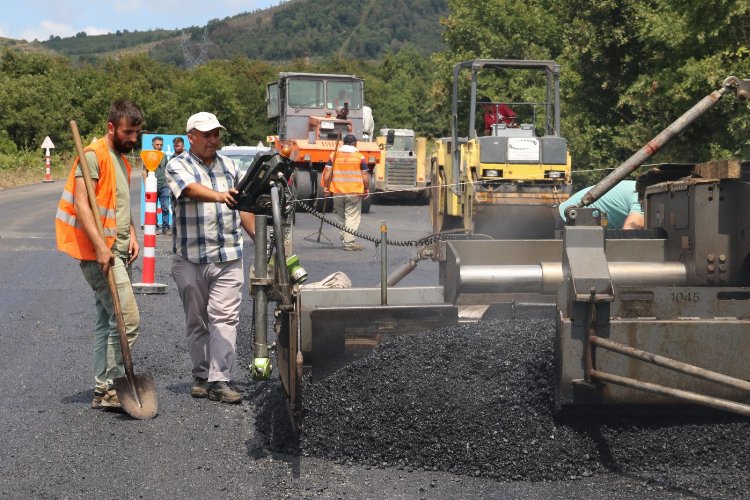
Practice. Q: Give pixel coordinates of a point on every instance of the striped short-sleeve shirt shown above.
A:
(203, 231)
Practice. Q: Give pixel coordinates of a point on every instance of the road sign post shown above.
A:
(47, 145)
(151, 159)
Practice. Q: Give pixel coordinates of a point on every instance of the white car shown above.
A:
(243, 155)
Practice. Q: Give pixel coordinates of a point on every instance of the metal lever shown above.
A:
(741, 88)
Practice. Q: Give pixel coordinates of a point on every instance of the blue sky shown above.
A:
(38, 19)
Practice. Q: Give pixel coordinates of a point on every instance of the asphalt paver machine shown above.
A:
(324, 327)
(658, 317)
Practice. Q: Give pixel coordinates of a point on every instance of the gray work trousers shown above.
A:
(349, 210)
(108, 364)
(211, 298)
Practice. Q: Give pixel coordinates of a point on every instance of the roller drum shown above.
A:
(501, 279)
(547, 276)
(648, 273)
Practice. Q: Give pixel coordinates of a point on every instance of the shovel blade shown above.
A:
(146, 388)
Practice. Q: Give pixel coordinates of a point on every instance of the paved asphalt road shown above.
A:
(52, 445)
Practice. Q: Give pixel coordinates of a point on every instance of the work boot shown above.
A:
(220, 391)
(200, 388)
(352, 247)
(111, 401)
(96, 403)
(166, 231)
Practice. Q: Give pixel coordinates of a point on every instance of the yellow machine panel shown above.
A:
(509, 183)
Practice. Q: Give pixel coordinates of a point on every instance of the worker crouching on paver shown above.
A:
(346, 177)
(207, 263)
(619, 203)
(78, 236)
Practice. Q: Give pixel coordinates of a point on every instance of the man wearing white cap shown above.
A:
(207, 264)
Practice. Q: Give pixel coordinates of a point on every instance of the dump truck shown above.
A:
(509, 183)
(400, 173)
(313, 111)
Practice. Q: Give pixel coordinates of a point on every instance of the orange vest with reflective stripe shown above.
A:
(71, 237)
(347, 173)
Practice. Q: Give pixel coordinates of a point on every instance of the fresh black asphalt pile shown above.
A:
(475, 399)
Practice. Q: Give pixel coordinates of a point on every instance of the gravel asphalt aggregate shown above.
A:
(459, 412)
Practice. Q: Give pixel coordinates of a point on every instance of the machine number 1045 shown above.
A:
(683, 297)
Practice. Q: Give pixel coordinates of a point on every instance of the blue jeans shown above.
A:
(165, 196)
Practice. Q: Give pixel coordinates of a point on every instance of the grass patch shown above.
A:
(27, 167)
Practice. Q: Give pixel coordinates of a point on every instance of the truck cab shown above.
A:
(313, 111)
(400, 173)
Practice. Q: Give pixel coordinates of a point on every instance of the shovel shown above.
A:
(137, 393)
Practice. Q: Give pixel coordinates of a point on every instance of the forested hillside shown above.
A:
(629, 68)
(294, 29)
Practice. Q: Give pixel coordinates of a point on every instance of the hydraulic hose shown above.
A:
(654, 145)
(283, 271)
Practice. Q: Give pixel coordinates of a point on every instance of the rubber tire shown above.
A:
(423, 198)
(302, 184)
(319, 195)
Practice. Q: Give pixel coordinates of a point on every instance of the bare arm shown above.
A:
(366, 182)
(327, 172)
(247, 220)
(199, 192)
(634, 220)
(85, 216)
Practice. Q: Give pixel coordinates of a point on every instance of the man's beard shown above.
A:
(122, 147)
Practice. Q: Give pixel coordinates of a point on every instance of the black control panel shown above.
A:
(255, 186)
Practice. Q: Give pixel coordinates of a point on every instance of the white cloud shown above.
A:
(127, 6)
(65, 18)
(45, 29)
(91, 30)
(50, 28)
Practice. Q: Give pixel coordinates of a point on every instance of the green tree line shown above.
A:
(629, 68)
(41, 93)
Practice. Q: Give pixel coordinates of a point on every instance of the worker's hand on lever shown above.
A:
(228, 197)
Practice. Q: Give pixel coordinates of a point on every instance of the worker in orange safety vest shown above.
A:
(346, 177)
(114, 252)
